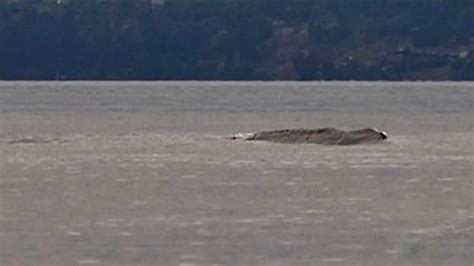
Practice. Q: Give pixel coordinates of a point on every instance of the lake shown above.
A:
(142, 173)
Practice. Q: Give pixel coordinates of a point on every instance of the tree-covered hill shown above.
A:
(237, 40)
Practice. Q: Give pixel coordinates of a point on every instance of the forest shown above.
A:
(236, 40)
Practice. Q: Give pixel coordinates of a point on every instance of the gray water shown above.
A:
(141, 173)
(240, 97)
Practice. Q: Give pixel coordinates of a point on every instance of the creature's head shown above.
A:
(382, 134)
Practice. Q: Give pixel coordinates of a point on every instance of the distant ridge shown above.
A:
(236, 40)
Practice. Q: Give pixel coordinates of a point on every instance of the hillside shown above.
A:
(237, 40)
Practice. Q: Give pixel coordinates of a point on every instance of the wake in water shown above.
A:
(325, 136)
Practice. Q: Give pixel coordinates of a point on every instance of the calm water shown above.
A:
(141, 173)
(240, 97)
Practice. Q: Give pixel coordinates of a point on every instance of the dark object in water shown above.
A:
(326, 136)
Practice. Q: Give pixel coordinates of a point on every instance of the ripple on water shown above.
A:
(447, 179)
(334, 259)
(188, 176)
(310, 211)
(198, 243)
(124, 233)
(88, 261)
(13, 180)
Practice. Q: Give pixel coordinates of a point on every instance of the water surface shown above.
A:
(141, 173)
